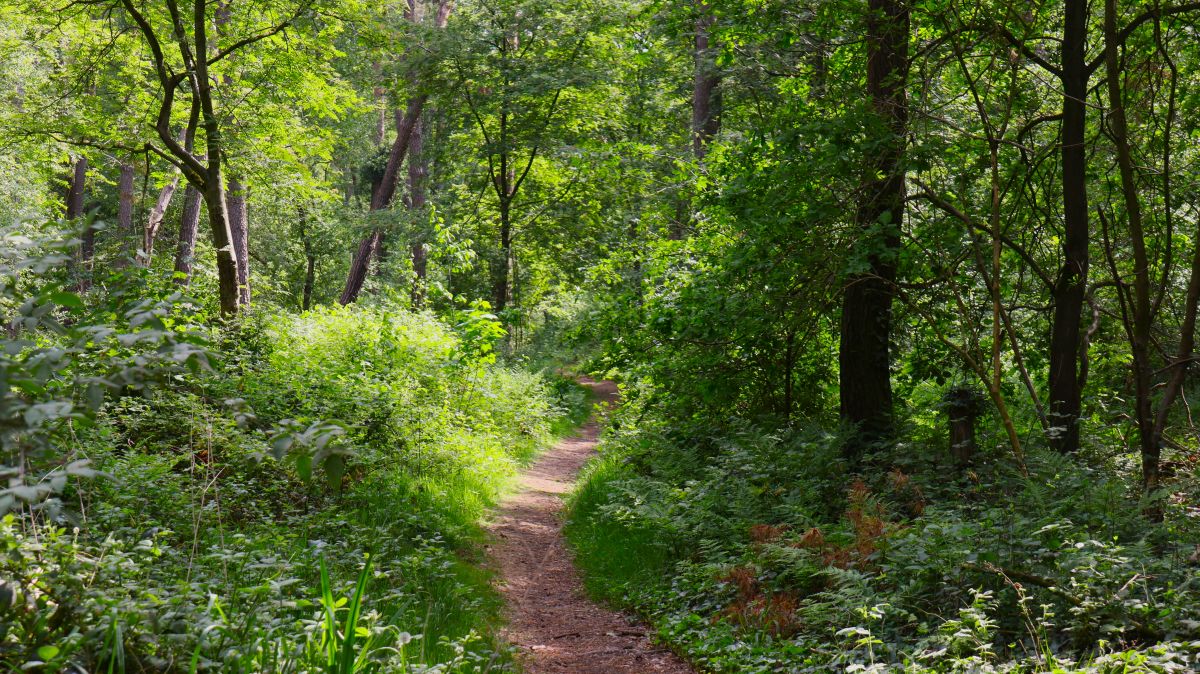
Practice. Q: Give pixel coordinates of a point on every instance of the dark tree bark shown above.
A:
(189, 224)
(864, 356)
(502, 273)
(418, 171)
(1136, 310)
(239, 229)
(77, 189)
(1070, 288)
(961, 404)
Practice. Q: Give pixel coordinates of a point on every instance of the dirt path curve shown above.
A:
(557, 629)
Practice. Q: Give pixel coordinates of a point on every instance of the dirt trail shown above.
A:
(557, 629)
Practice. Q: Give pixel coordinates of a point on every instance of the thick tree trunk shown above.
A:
(1070, 288)
(77, 189)
(864, 357)
(360, 266)
(239, 230)
(125, 206)
(222, 239)
(154, 222)
(189, 225)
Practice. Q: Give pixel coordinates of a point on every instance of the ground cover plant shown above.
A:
(195, 527)
(706, 532)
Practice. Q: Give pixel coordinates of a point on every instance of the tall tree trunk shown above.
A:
(310, 260)
(76, 195)
(706, 91)
(154, 222)
(1139, 328)
(706, 106)
(382, 196)
(239, 229)
(418, 171)
(1070, 287)
(189, 225)
(501, 288)
(125, 205)
(864, 356)
(1180, 364)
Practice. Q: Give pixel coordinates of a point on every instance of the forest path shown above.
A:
(557, 629)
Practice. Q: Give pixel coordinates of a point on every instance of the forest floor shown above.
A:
(556, 628)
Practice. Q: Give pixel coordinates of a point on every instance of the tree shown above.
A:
(189, 73)
(381, 198)
(531, 58)
(864, 354)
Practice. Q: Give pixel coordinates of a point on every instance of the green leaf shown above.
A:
(66, 299)
(335, 468)
(304, 466)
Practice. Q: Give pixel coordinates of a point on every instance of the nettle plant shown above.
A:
(62, 354)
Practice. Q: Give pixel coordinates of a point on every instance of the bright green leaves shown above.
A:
(478, 331)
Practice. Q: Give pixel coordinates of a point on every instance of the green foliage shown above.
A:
(204, 545)
(757, 552)
(61, 359)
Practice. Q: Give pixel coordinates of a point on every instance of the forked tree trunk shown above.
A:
(864, 356)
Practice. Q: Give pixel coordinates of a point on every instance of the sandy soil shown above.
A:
(556, 628)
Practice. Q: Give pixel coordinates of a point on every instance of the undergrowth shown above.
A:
(756, 551)
(234, 509)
